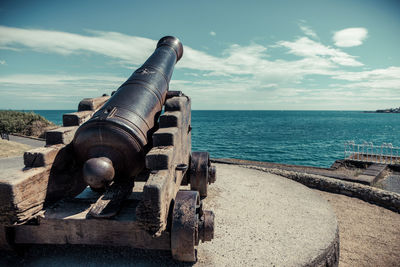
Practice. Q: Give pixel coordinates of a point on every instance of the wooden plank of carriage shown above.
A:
(41, 156)
(76, 118)
(109, 203)
(68, 223)
(92, 103)
(50, 174)
(61, 135)
(22, 193)
(86, 108)
(164, 179)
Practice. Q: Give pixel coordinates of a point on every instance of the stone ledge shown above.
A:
(386, 199)
(330, 257)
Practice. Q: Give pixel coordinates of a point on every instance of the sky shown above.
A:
(238, 55)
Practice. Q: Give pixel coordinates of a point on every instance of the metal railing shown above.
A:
(385, 153)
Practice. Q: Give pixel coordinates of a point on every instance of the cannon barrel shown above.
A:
(113, 143)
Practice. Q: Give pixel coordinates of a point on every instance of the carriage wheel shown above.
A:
(189, 225)
(201, 172)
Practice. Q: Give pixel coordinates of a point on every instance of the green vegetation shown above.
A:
(25, 123)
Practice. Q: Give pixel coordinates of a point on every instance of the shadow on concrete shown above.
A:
(81, 255)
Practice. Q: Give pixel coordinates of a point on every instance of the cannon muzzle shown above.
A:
(113, 143)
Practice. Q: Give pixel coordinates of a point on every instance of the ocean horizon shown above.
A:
(301, 137)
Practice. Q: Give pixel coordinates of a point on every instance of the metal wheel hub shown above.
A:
(201, 172)
(190, 224)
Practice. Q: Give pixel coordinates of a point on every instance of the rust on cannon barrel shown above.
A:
(113, 143)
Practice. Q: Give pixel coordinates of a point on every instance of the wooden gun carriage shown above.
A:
(137, 203)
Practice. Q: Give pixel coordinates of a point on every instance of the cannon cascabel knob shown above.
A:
(98, 172)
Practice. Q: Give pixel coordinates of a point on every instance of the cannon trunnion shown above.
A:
(135, 162)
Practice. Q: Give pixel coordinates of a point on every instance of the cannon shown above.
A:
(112, 175)
(114, 141)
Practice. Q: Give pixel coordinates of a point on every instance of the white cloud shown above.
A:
(53, 91)
(378, 79)
(235, 60)
(212, 33)
(383, 74)
(130, 49)
(308, 31)
(240, 75)
(350, 37)
(306, 47)
(37, 79)
(3, 62)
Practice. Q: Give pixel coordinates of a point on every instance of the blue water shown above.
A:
(313, 138)
(53, 115)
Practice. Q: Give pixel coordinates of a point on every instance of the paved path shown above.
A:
(261, 220)
(18, 161)
(392, 182)
(369, 234)
(27, 141)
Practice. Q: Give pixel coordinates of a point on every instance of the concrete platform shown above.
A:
(266, 220)
(261, 220)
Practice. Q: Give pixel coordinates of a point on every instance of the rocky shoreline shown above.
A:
(388, 110)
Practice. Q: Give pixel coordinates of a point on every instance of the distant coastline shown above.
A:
(388, 110)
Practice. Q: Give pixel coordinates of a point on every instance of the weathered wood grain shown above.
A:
(177, 103)
(164, 179)
(23, 193)
(158, 194)
(92, 103)
(183, 104)
(171, 119)
(76, 118)
(68, 223)
(41, 156)
(160, 158)
(61, 135)
(109, 203)
(166, 137)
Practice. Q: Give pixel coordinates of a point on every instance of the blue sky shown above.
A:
(265, 55)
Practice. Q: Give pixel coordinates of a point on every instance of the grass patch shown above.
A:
(25, 123)
(11, 149)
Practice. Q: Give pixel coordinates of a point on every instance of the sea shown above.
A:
(311, 138)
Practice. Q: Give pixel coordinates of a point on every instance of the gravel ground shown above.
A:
(369, 234)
